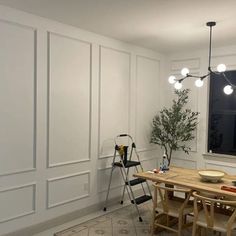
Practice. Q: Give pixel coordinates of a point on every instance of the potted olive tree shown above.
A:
(173, 127)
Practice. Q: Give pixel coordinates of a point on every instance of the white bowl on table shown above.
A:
(211, 175)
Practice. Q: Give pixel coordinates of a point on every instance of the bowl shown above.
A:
(211, 175)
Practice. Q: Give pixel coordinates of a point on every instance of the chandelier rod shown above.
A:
(209, 62)
(210, 24)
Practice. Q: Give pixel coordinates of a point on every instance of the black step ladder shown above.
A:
(124, 164)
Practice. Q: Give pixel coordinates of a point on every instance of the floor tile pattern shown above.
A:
(123, 222)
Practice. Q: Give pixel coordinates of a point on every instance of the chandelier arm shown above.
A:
(204, 76)
(228, 81)
(193, 76)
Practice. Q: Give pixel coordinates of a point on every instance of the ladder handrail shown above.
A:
(124, 164)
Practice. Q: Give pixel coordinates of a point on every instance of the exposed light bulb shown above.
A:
(228, 89)
(221, 68)
(184, 71)
(172, 79)
(178, 85)
(199, 83)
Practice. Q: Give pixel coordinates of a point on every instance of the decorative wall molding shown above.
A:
(51, 165)
(34, 32)
(100, 190)
(226, 167)
(51, 180)
(139, 150)
(47, 191)
(149, 148)
(99, 104)
(192, 163)
(33, 185)
(18, 24)
(227, 59)
(191, 63)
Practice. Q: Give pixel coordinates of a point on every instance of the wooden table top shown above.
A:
(190, 179)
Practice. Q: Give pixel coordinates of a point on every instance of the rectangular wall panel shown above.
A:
(17, 202)
(189, 63)
(228, 60)
(17, 98)
(226, 167)
(68, 188)
(184, 162)
(69, 81)
(103, 179)
(149, 164)
(146, 99)
(114, 97)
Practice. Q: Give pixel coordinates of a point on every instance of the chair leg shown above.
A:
(228, 233)
(194, 231)
(199, 231)
(185, 219)
(153, 226)
(180, 224)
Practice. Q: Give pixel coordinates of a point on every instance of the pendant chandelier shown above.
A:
(221, 68)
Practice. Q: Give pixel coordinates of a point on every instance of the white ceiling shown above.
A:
(162, 25)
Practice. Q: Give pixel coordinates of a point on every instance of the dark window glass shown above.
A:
(222, 116)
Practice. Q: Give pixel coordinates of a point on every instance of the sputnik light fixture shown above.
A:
(221, 68)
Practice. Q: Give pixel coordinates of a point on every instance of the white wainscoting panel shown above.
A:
(65, 189)
(103, 179)
(227, 167)
(69, 81)
(191, 63)
(186, 163)
(147, 99)
(17, 98)
(17, 202)
(114, 97)
(150, 164)
(228, 60)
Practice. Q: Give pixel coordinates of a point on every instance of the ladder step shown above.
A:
(135, 181)
(128, 164)
(141, 199)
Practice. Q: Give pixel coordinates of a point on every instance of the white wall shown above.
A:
(64, 94)
(197, 62)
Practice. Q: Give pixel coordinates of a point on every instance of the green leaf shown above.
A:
(173, 127)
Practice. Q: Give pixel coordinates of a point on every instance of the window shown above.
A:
(222, 116)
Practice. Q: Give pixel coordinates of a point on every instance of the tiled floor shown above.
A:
(121, 222)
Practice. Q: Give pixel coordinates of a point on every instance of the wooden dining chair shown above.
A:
(213, 213)
(170, 207)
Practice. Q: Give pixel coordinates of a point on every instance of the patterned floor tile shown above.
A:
(98, 231)
(146, 221)
(117, 231)
(122, 222)
(143, 231)
(84, 232)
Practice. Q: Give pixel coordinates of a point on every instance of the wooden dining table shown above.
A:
(189, 178)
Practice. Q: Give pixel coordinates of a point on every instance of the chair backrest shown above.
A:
(166, 192)
(210, 204)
